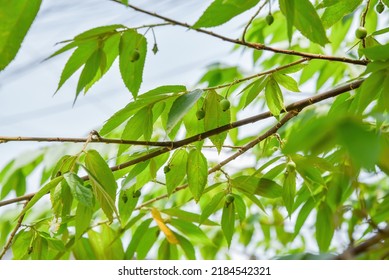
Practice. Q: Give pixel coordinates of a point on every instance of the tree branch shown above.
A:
(352, 252)
(299, 105)
(94, 137)
(256, 46)
(241, 151)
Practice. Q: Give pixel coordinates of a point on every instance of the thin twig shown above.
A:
(251, 20)
(13, 233)
(259, 74)
(299, 105)
(363, 20)
(256, 46)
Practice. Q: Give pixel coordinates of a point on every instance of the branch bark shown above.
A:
(365, 246)
(255, 46)
(299, 105)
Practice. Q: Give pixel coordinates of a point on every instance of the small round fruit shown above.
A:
(291, 166)
(200, 114)
(136, 194)
(166, 169)
(380, 7)
(269, 19)
(225, 104)
(229, 198)
(361, 32)
(135, 56)
(124, 198)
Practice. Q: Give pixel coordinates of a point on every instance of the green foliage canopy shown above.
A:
(318, 169)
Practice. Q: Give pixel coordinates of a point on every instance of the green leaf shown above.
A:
(324, 227)
(15, 21)
(211, 207)
(228, 222)
(127, 202)
(370, 90)
(83, 218)
(78, 58)
(362, 144)
(274, 98)
(141, 123)
(43, 191)
(191, 231)
(90, 70)
(177, 171)
(146, 99)
(148, 240)
(101, 32)
(103, 182)
(287, 82)
(215, 117)
(21, 245)
(186, 246)
(81, 193)
(82, 250)
(288, 9)
(132, 70)
(221, 11)
(380, 52)
(110, 53)
(136, 238)
(306, 20)
(308, 169)
(187, 216)
(167, 251)
(105, 245)
(289, 191)
(240, 207)
(255, 89)
(303, 214)
(197, 173)
(336, 12)
(181, 106)
(258, 186)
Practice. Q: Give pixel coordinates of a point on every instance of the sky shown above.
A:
(27, 104)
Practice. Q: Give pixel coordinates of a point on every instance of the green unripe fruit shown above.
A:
(380, 7)
(229, 198)
(136, 194)
(135, 56)
(200, 114)
(166, 169)
(291, 166)
(124, 198)
(361, 32)
(225, 104)
(269, 19)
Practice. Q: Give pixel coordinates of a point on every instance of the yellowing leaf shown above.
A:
(162, 226)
